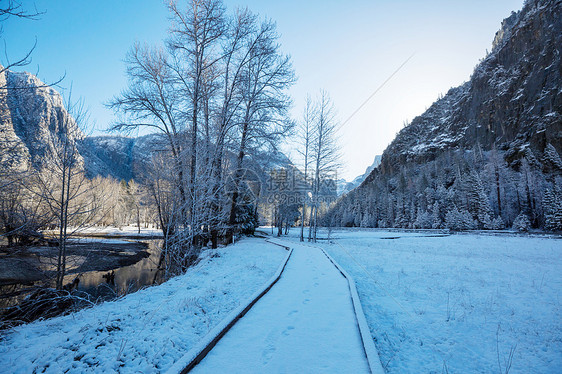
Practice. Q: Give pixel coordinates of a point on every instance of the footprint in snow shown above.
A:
(287, 331)
(267, 353)
(270, 348)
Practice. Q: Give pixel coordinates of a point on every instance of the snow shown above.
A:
(119, 231)
(305, 323)
(98, 240)
(433, 302)
(457, 303)
(149, 330)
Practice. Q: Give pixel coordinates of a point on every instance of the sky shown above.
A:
(348, 48)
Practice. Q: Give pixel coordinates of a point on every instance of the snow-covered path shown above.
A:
(305, 323)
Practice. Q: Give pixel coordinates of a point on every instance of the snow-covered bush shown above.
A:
(497, 224)
(424, 220)
(459, 220)
(521, 223)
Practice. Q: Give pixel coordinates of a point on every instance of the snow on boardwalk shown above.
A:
(305, 323)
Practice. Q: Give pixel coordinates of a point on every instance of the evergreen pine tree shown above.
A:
(552, 211)
(521, 223)
(552, 159)
(436, 216)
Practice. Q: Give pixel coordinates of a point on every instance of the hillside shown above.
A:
(33, 120)
(487, 151)
(119, 157)
(35, 125)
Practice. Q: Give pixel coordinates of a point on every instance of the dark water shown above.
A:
(100, 284)
(123, 280)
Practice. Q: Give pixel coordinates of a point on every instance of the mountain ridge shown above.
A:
(486, 151)
(33, 116)
(498, 90)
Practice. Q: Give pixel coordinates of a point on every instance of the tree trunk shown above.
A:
(138, 220)
(216, 171)
(302, 220)
(61, 232)
(237, 172)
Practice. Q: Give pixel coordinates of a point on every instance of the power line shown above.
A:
(376, 91)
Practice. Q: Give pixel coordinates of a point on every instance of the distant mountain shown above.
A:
(344, 186)
(359, 179)
(120, 157)
(489, 150)
(32, 116)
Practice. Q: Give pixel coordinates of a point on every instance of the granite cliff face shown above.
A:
(32, 120)
(119, 157)
(487, 154)
(513, 100)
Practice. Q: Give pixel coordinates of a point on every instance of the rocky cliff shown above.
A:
(33, 120)
(485, 155)
(513, 100)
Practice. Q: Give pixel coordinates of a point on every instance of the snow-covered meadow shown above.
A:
(149, 330)
(459, 303)
(465, 303)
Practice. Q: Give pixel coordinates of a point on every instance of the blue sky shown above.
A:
(346, 47)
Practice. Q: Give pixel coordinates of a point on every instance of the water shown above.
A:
(123, 280)
(104, 285)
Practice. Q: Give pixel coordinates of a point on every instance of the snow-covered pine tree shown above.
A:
(521, 223)
(436, 216)
(552, 203)
(552, 161)
(478, 202)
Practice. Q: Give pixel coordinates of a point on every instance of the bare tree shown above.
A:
(234, 57)
(264, 120)
(15, 9)
(305, 137)
(217, 89)
(21, 216)
(10, 150)
(62, 183)
(194, 37)
(151, 101)
(324, 151)
(12, 8)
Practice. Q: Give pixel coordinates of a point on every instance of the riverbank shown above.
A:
(149, 330)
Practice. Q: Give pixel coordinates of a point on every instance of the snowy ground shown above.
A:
(304, 324)
(149, 330)
(119, 231)
(459, 303)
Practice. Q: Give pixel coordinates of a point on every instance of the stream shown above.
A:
(105, 268)
(122, 280)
